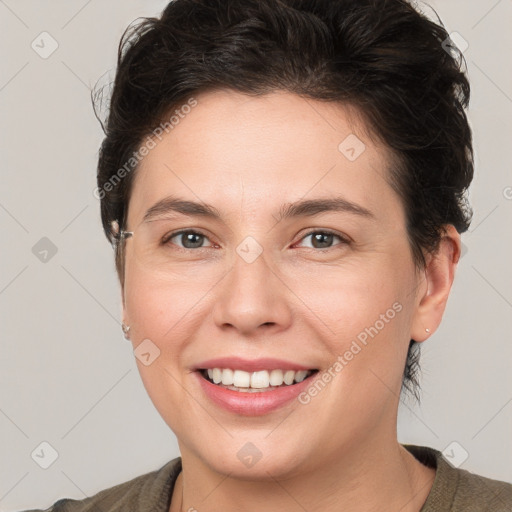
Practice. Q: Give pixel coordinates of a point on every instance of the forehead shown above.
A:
(242, 152)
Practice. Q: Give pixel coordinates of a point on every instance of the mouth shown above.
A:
(253, 393)
(255, 382)
(252, 387)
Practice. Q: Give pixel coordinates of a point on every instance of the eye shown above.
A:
(188, 239)
(323, 239)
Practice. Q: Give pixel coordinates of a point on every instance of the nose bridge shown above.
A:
(254, 274)
(251, 295)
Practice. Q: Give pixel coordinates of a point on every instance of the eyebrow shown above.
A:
(312, 207)
(175, 205)
(302, 208)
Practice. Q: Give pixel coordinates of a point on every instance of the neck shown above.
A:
(379, 476)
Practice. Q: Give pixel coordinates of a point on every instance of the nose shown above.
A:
(253, 298)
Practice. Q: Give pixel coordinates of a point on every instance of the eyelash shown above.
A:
(343, 240)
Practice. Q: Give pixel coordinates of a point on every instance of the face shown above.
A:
(296, 258)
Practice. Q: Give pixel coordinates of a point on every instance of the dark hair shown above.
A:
(384, 58)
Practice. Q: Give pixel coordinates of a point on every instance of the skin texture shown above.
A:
(247, 156)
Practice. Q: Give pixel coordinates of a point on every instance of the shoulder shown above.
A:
(479, 491)
(457, 489)
(149, 492)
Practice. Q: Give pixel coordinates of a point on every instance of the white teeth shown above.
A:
(247, 381)
(217, 375)
(260, 379)
(227, 377)
(276, 377)
(241, 379)
(289, 375)
(300, 375)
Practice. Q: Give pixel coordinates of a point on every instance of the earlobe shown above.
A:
(438, 274)
(126, 330)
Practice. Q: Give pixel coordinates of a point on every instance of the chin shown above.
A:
(259, 459)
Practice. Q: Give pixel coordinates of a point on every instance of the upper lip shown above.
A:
(251, 365)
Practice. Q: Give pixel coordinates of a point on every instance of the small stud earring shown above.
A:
(427, 330)
(126, 330)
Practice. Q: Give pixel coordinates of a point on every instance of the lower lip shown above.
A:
(252, 404)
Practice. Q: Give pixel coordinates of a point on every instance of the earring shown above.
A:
(126, 330)
(427, 330)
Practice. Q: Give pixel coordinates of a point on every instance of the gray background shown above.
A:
(67, 375)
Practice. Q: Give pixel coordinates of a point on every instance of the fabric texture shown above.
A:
(454, 490)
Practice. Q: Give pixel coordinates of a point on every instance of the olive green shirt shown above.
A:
(454, 490)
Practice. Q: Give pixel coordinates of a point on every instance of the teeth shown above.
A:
(300, 375)
(289, 376)
(217, 375)
(227, 377)
(276, 377)
(260, 379)
(246, 381)
(241, 379)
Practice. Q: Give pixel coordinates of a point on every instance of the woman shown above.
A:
(284, 184)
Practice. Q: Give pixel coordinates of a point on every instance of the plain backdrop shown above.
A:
(67, 375)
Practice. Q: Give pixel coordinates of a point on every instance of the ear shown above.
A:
(437, 280)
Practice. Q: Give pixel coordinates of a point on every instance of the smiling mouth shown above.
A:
(254, 382)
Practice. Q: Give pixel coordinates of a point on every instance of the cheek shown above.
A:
(163, 307)
(164, 313)
(362, 313)
(349, 297)
(368, 315)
